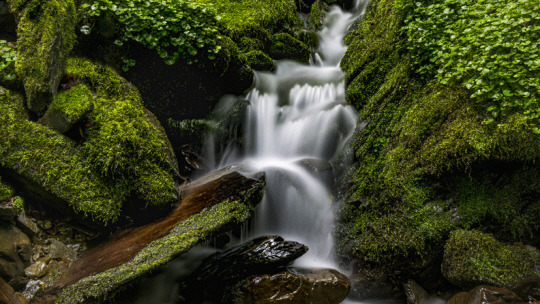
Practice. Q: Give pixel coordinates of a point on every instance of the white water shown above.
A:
(297, 113)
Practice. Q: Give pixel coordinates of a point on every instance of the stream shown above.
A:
(296, 126)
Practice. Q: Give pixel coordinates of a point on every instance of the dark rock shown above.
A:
(60, 251)
(486, 295)
(415, 293)
(36, 270)
(7, 23)
(15, 251)
(256, 256)
(285, 46)
(7, 213)
(315, 286)
(528, 287)
(7, 294)
(169, 151)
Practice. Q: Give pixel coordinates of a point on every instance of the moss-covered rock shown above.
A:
(426, 163)
(474, 258)
(285, 46)
(46, 34)
(316, 15)
(258, 60)
(67, 108)
(122, 153)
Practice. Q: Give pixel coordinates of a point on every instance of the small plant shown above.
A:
(492, 47)
(18, 204)
(8, 56)
(174, 28)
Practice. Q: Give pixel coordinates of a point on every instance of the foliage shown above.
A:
(18, 204)
(8, 56)
(5, 192)
(492, 47)
(174, 28)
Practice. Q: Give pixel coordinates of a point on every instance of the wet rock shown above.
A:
(59, 250)
(33, 289)
(315, 286)
(15, 251)
(473, 258)
(415, 293)
(36, 270)
(7, 294)
(486, 295)
(262, 254)
(26, 224)
(528, 287)
(46, 224)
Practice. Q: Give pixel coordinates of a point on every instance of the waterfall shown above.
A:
(297, 120)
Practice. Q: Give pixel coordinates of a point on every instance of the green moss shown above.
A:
(246, 44)
(258, 60)
(185, 235)
(6, 192)
(316, 16)
(255, 18)
(73, 102)
(473, 258)
(46, 34)
(51, 160)
(285, 46)
(18, 204)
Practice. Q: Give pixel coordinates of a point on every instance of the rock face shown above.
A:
(473, 258)
(206, 208)
(15, 251)
(46, 37)
(7, 294)
(257, 256)
(486, 295)
(293, 286)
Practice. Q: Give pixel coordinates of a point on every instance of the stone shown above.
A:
(486, 295)
(27, 225)
(15, 251)
(259, 255)
(46, 224)
(36, 270)
(528, 287)
(473, 258)
(33, 289)
(415, 293)
(67, 108)
(7, 213)
(59, 250)
(293, 286)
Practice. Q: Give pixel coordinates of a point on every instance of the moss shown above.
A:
(18, 204)
(48, 158)
(316, 16)
(246, 44)
(122, 153)
(285, 46)
(474, 258)
(46, 34)
(185, 235)
(425, 146)
(73, 102)
(255, 18)
(258, 60)
(6, 192)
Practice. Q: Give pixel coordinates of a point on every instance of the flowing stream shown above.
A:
(296, 126)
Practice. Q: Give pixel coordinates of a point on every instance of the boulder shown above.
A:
(7, 294)
(206, 209)
(27, 225)
(7, 213)
(285, 46)
(528, 287)
(45, 38)
(36, 270)
(486, 295)
(15, 251)
(415, 293)
(294, 285)
(60, 251)
(472, 258)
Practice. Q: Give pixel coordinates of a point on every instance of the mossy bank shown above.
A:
(433, 156)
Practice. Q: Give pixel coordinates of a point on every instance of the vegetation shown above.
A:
(8, 56)
(473, 258)
(490, 47)
(174, 28)
(6, 193)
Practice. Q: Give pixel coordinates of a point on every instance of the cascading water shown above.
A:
(297, 121)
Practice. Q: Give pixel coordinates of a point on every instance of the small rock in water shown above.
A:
(486, 295)
(415, 293)
(36, 270)
(293, 286)
(46, 224)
